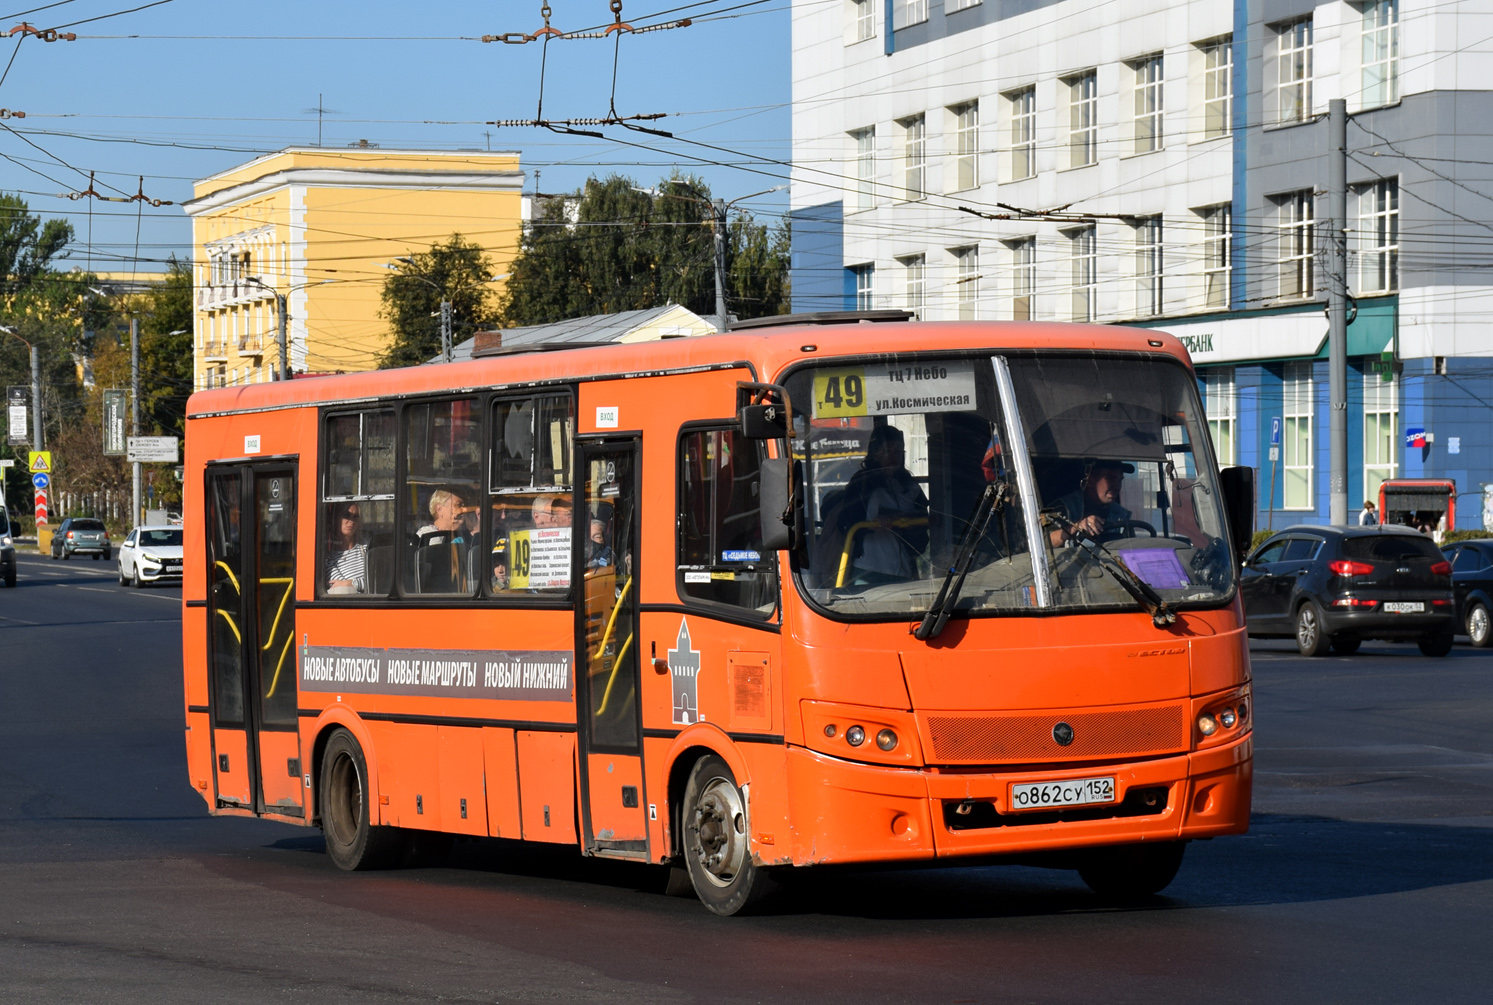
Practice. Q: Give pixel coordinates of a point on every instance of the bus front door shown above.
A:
(613, 801)
(251, 514)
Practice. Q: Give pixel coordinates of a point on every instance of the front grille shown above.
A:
(1027, 738)
(970, 816)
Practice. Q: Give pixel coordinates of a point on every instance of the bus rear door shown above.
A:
(611, 764)
(251, 607)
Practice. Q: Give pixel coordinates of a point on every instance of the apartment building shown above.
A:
(323, 226)
(1165, 164)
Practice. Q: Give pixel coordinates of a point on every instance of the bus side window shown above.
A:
(530, 497)
(356, 553)
(441, 514)
(720, 556)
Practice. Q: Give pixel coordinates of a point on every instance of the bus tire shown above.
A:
(716, 837)
(353, 843)
(1131, 871)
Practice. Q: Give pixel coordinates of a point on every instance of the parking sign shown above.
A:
(1275, 430)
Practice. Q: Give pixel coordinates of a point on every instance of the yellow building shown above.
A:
(320, 226)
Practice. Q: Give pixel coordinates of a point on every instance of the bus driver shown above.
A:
(1095, 504)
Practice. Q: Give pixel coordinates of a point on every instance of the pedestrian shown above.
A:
(1368, 518)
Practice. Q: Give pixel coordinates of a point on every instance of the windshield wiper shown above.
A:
(994, 498)
(1140, 591)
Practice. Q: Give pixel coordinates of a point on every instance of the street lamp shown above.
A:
(446, 347)
(718, 211)
(280, 336)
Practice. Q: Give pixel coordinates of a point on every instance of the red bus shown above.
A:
(795, 595)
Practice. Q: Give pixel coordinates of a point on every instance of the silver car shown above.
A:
(149, 555)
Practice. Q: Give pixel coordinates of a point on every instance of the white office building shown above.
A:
(1165, 164)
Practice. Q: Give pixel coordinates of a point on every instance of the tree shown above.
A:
(615, 247)
(457, 271)
(27, 245)
(166, 353)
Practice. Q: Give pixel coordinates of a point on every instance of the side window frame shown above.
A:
(514, 598)
(322, 499)
(768, 564)
(406, 507)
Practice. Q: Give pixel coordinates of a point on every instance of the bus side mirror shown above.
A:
(763, 422)
(1238, 485)
(774, 500)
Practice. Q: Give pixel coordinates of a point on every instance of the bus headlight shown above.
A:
(1207, 725)
(855, 736)
(1227, 718)
(886, 740)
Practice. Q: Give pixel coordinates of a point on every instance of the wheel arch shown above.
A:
(326, 724)
(688, 747)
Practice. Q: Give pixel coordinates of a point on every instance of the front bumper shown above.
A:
(852, 812)
(151, 575)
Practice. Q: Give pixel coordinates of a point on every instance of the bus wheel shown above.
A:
(716, 839)
(352, 843)
(1131, 871)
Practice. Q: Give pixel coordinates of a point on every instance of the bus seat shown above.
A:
(380, 569)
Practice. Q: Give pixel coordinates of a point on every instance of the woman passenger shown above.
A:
(347, 559)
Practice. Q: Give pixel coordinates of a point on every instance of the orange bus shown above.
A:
(798, 594)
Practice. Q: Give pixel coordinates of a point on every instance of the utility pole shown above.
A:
(445, 331)
(135, 409)
(1337, 308)
(281, 339)
(39, 437)
(720, 265)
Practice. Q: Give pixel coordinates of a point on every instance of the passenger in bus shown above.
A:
(884, 493)
(448, 519)
(1093, 508)
(599, 554)
(347, 557)
(444, 545)
(550, 510)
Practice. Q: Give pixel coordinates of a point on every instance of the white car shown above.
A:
(150, 554)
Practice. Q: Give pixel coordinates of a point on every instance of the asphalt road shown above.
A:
(1367, 875)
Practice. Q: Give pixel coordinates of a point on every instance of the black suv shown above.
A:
(1472, 580)
(81, 535)
(1336, 586)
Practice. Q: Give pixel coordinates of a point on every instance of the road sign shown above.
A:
(1274, 454)
(114, 409)
(41, 460)
(152, 449)
(41, 479)
(18, 412)
(1275, 430)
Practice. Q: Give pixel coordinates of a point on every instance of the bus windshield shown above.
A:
(910, 466)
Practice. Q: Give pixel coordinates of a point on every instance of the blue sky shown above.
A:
(187, 88)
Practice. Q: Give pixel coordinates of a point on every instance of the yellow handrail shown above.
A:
(616, 665)
(612, 621)
(228, 618)
(274, 683)
(856, 528)
(289, 589)
(231, 577)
